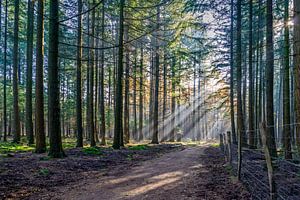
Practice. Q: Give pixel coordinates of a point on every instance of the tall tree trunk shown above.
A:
(109, 103)
(39, 113)
(261, 106)
(199, 106)
(126, 92)
(29, 52)
(232, 77)
(286, 86)
(156, 90)
(78, 81)
(91, 82)
(16, 116)
(88, 135)
(141, 108)
(164, 138)
(55, 149)
(97, 78)
(240, 117)
(134, 132)
(4, 74)
(119, 96)
(251, 82)
(101, 79)
(297, 69)
(194, 101)
(269, 75)
(173, 100)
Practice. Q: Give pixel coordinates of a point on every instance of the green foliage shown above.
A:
(8, 147)
(69, 143)
(216, 145)
(44, 172)
(130, 157)
(45, 158)
(138, 147)
(92, 150)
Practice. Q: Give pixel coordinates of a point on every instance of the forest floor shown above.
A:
(167, 171)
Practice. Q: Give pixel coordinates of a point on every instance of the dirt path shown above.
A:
(180, 175)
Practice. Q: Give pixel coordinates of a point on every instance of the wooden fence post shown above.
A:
(239, 155)
(272, 184)
(221, 142)
(229, 146)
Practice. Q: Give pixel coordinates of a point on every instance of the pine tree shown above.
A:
(55, 149)
(16, 115)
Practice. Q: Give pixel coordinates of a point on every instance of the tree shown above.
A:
(91, 83)
(240, 116)
(286, 86)
(173, 100)
(134, 132)
(119, 96)
(164, 95)
(55, 149)
(269, 75)
(251, 82)
(4, 75)
(232, 75)
(141, 102)
(297, 69)
(39, 89)
(16, 114)
(29, 53)
(156, 88)
(126, 87)
(78, 78)
(101, 79)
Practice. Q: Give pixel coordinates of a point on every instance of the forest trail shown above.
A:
(167, 175)
(176, 175)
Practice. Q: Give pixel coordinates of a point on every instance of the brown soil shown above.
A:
(160, 172)
(193, 173)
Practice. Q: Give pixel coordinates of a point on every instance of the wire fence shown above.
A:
(264, 175)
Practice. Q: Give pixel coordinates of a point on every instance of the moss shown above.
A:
(138, 147)
(92, 150)
(216, 145)
(7, 147)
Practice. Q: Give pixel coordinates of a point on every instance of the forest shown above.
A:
(150, 99)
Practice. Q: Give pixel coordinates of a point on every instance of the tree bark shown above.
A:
(297, 70)
(269, 75)
(251, 83)
(16, 116)
(164, 137)
(156, 90)
(286, 86)
(173, 100)
(29, 53)
(101, 79)
(39, 112)
(141, 108)
(134, 132)
(78, 81)
(240, 116)
(91, 82)
(232, 116)
(4, 75)
(118, 141)
(126, 92)
(55, 149)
